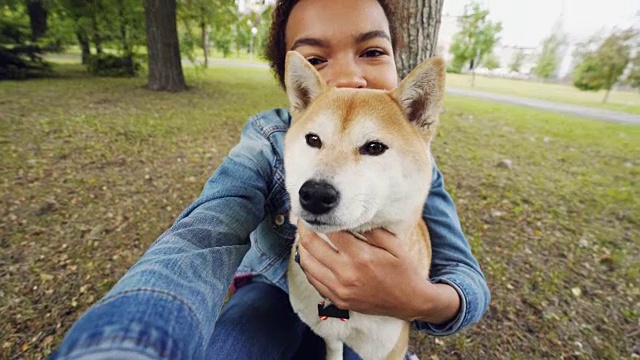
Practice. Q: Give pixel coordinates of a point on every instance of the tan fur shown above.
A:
(402, 345)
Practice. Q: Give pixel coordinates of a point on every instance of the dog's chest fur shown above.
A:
(370, 336)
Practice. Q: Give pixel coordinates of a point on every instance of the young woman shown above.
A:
(169, 305)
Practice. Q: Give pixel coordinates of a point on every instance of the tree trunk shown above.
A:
(165, 69)
(97, 37)
(205, 43)
(420, 33)
(126, 48)
(606, 96)
(83, 40)
(38, 19)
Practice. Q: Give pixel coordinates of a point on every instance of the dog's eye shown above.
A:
(313, 140)
(373, 148)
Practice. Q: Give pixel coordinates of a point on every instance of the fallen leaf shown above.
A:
(576, 291)
(47, 340)
(46, 277)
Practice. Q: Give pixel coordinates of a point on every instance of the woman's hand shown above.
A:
(377, 278)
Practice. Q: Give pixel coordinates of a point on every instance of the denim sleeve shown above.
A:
(166, 305)
(452, 261)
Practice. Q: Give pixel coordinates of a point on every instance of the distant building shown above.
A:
(504, 53)
(253, 6)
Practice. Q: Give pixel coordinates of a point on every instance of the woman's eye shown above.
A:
(315, 61)
(373, 53)
(373, 148)
(313, 140)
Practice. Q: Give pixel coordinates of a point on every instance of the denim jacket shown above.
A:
(167, 304)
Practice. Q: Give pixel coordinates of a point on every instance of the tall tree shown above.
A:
(165, 68)
(476, 37)
(491, 61)
(602, 67)
(549, 57)
(633, 79)
(38, 17)
(420, 33)
(517, 60)
(209, 16)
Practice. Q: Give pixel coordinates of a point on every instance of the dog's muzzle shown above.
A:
(318, 197)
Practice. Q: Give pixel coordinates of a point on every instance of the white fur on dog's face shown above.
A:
(366, 184)
(373, 190)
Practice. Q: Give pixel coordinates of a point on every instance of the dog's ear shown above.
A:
(420, 94)
(301, 81)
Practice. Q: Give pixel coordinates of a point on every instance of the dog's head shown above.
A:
(357, 158)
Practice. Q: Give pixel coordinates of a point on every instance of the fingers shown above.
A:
(376, 240)
(385, 240)
(321, 288)
(314, 269)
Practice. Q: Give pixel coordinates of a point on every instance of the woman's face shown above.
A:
(348, 42)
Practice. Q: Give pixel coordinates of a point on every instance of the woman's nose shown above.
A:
(346, 74)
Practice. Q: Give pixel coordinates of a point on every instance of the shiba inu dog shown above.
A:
(355, 160)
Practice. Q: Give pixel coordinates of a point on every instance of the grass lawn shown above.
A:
(240, 56)
(625, 101)
(93, 170)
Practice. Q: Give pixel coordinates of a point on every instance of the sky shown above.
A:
(526, 22)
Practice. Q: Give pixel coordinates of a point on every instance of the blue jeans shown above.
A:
(258, 323)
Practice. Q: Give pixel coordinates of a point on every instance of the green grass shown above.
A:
(95, 169)
(625, 101)
(240, 56)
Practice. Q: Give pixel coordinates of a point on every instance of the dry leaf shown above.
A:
(47, 340)
(576, 291)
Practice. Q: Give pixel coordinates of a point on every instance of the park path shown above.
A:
(581, 111)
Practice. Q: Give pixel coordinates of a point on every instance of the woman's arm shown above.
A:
(452, 263)
(166, 305)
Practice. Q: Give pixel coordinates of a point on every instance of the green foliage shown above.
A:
(20, 58)
(586, 76)
(491, 62)
(109, 65)
(205, 22)
(516, 61)
(601, 68)
(114, 24)
(14, 24)
(549, 57)
(633, 79)
(476, 38)
(61, 30)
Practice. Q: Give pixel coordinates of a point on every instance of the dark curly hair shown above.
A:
(276, 50)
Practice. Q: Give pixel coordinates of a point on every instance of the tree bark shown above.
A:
(83, 40)
(420, 33)
(165, 69)
(97, 37)
(205, 43)
(606, 96)
(38, 19)
(126, 48)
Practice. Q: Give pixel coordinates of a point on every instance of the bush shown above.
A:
(110, 65)
(22, 62)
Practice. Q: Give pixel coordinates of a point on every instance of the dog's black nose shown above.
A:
(318, 197)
